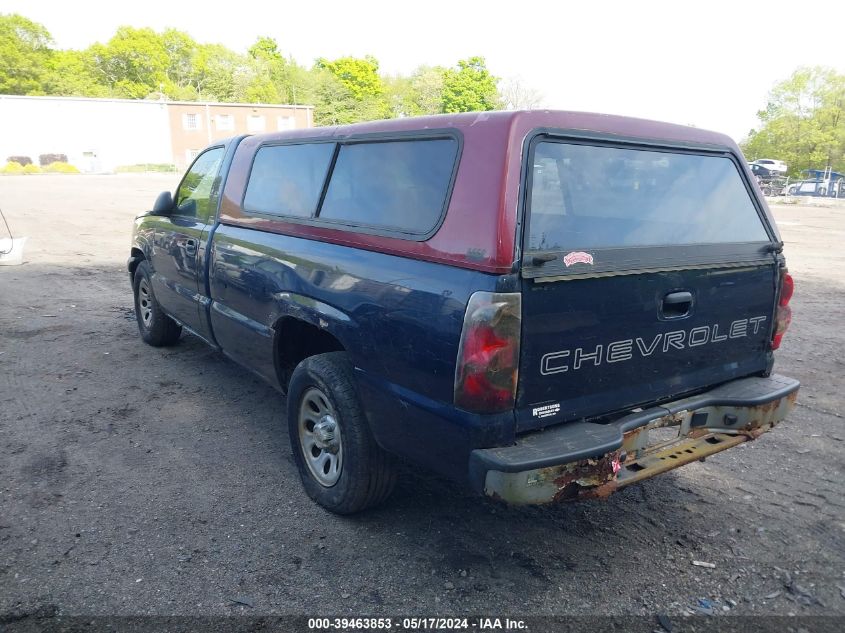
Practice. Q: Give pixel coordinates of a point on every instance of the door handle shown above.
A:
(191, 246)
(676, 304)
(674, 298)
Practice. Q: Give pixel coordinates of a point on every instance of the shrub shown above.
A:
(48, 159)
(12, 168)
(61, 167)
(23, 161)
(31, 169)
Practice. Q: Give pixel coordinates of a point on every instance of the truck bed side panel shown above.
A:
(399, 319)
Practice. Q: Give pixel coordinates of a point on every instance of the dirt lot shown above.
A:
(136, 480)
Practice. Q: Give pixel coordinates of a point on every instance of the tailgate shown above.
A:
(648, 273)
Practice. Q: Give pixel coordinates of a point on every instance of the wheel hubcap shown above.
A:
(145, 302)
(320, 438)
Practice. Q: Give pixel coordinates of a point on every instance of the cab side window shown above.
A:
(198, 192)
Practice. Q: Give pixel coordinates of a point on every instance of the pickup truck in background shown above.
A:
(544, 305)
(774, 166)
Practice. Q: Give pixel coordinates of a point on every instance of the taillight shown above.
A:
(488, 355)
(783, 313)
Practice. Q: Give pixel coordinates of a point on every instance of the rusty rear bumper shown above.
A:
(583, 459)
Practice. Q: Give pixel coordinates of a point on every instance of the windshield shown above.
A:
(589, 197)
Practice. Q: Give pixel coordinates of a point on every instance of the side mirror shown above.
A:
(163, 204)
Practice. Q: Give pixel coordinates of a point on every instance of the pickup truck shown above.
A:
(546, 306)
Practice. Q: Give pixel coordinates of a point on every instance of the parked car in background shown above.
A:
(763, 173)
(771, 164)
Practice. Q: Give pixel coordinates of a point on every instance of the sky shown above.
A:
(709, 64)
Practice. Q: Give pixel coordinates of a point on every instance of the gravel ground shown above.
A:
(136, 480)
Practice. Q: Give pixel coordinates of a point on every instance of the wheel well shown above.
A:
(296, 340)
(138, 256)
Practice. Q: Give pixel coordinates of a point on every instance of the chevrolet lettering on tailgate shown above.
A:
(618, 351)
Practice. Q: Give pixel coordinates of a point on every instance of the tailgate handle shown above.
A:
(677, 304)
(677, 297)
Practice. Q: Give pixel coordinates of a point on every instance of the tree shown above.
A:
(133, 63)
(359, 76)
(24, 54)
(516, 95)
(421, 93)
(181, 50)
(139, 63)
(336, 104)
(349, 90)
(469, 88)
(281, 79)
(214, 72)
(71, 73)
(804, 122)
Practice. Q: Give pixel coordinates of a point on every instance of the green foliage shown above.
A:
(24, 55)
(180, 50)
(265, 48)
(470, 87)
(803, 123)
(73, 74)
(133, 63)
(146, 167)
(12, 168)
(216, 71)
(349, 90)
(32, 169)
(140, 63)
(359, 76)
(60, 168)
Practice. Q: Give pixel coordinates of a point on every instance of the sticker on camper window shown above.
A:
(578, 257)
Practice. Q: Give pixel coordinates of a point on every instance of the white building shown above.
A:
(99, 135)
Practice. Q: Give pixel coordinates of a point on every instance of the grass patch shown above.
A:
(165, 168)
(60, 168)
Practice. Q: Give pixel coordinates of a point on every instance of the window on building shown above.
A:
(255, 123)
(191, 121)
(190, 155)
(288, 179)
(225, 122)
(286, 123)
(399, 185)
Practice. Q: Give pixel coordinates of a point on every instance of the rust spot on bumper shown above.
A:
(601, 476)
(589, 477)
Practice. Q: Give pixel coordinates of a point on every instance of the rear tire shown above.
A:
(341, 466)
(156, 328)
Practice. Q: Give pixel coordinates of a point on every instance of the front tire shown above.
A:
(341, 466)
(156, 328)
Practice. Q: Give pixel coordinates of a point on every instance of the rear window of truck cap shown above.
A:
(587, 197)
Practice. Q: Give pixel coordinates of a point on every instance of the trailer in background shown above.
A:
(818, 183)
